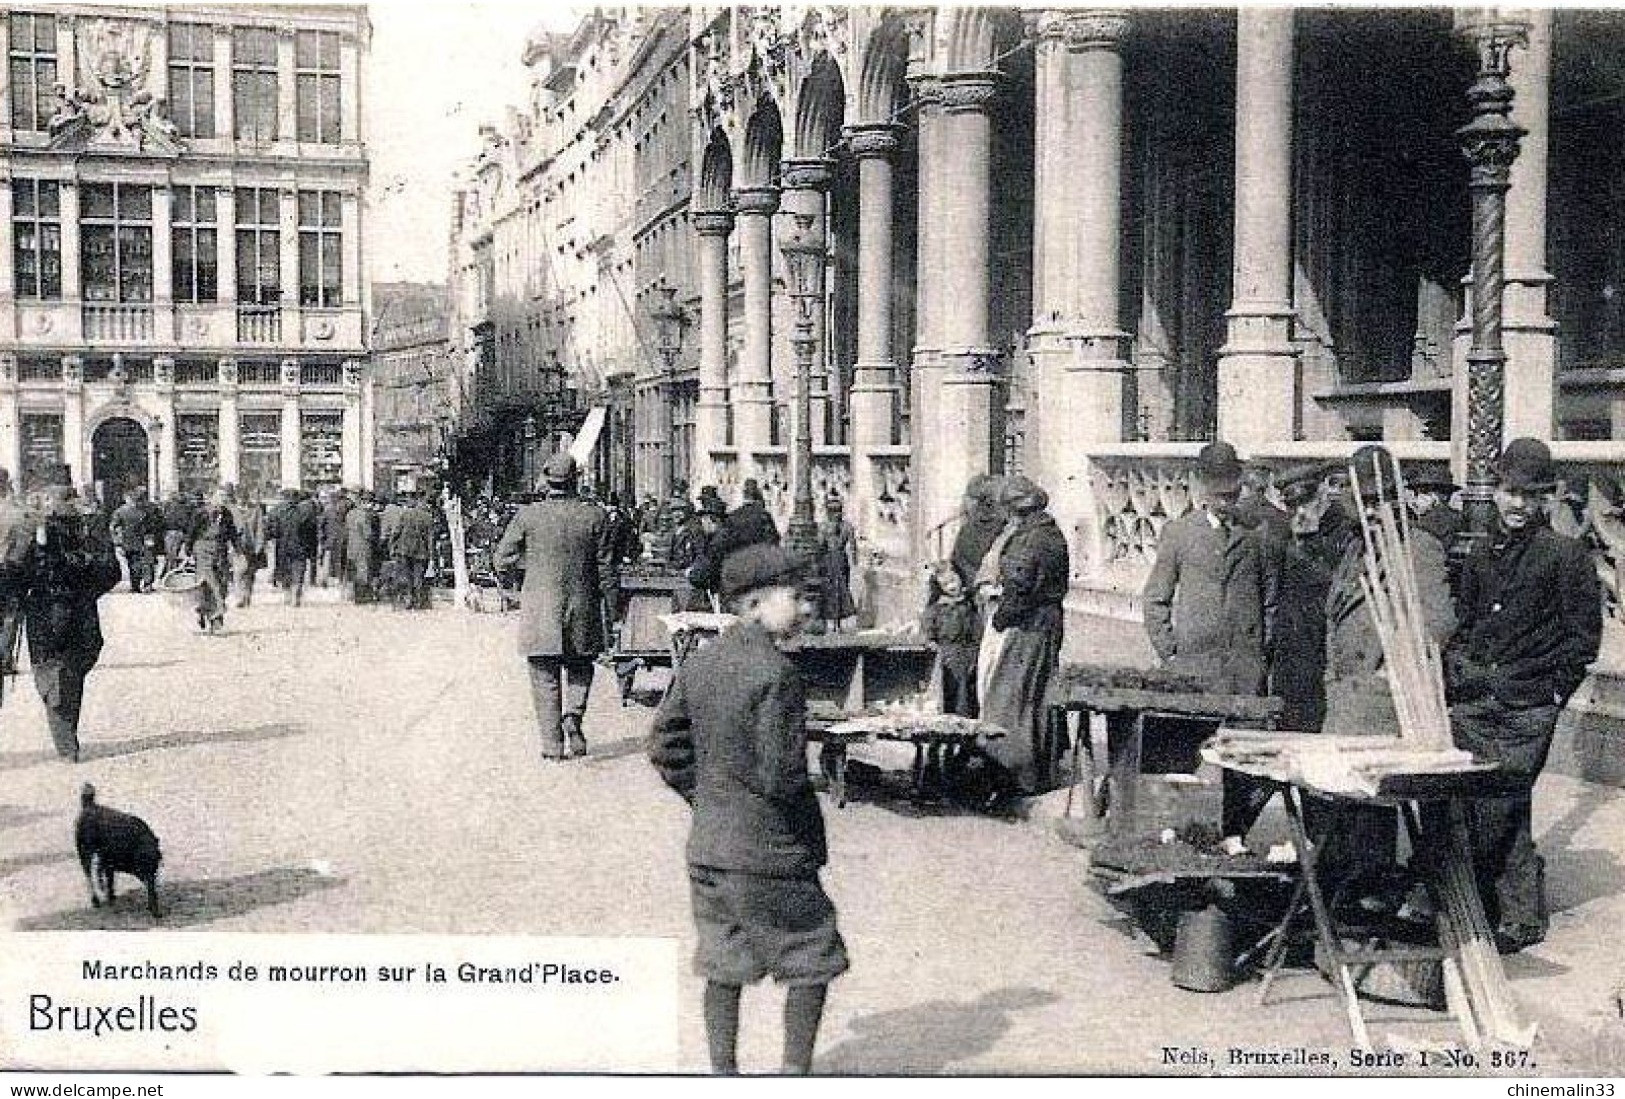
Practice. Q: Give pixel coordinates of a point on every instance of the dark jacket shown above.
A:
(749, 524)
(563, 542)
(1531, 618)
(1210, 602)
(975, 537)
(414, 534)
(731, 737)
(1033, 571)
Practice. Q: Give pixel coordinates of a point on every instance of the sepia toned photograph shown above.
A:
(812, 539)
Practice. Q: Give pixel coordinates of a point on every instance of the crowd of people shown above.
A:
(1262, 589)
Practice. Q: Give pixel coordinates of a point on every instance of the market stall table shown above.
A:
(1127, 698)
(922, 730)
(1428, 787)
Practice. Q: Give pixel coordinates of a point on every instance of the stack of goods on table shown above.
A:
(1388, 767)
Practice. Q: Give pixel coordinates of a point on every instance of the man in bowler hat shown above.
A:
(565, 545)
(1531, 623)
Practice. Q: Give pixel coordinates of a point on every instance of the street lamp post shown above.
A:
(669, 318)
(1490, 142)
(803, 248)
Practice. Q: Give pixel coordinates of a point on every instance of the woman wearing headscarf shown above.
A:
(838, 553)
(1033, 567)
(213, 536)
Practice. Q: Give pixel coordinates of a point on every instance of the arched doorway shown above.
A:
(118, 457)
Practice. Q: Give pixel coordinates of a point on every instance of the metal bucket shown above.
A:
(1204, 951)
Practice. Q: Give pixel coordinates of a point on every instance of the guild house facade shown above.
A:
(182, 302)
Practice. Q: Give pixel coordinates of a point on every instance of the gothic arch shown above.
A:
(977, 36)
(764, 146)
(882, 88)
(716, 172)
(820, 108)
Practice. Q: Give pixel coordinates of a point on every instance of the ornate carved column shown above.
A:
(713, 227)
(72, 285)
(8, 271)
(353, 456)
(967, 435)
(74, 448)
(1257, 364)
(1490, 142)
(1077, 338)
(163, 269)
(288, 245)
(1531, 333)
(224, 107)
(230, 446)
(287, 103)
(349, 88)
(163, 377)
(291, 441)
(753, 389)
(874, 375)
(805, 183)
(225, 210)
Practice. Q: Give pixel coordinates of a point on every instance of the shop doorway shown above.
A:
(118, 457)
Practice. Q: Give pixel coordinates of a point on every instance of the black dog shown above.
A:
(112, 842)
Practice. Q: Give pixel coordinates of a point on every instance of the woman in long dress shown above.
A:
(213, 537)
(838, 548)
(1033, 567)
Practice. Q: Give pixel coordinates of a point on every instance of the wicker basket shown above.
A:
(180, 588)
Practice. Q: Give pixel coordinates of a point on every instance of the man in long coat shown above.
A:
(564, 545)
(410, 549)
(361, 548)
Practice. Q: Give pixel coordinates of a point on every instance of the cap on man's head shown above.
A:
(1526, 466)
(1432, 481)
(985, 487)
(1218, 467)
(560, 469)
(752, 490)
(754, 567)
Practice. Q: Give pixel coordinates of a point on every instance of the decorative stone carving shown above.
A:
(118, 376)
(893, 493)
(968, 91)
(980, 361)
(322, 329)
(73, 371)
(756, 200)
(1134, 501)
(873, 139)
(824, 30)
(42, 323)
(112, 103)
(352, 374)
(1100, 29)
(290, 373)
(228, 373)
(163, 372)
(8, 369)
(831, 476)
(806, 174)
(713, 223)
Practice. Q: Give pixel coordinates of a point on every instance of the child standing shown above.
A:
(731, 738)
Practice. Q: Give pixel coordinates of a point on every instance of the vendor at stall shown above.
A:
(1531, 623)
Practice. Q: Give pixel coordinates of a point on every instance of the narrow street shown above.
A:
(347, 769)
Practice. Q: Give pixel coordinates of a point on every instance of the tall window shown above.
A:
(191, 78)
(36, 223)
(259, 257)
(33, 70)
(115, 242)
(253, 83)
(319, 239)
(316, 56)
(193, 245)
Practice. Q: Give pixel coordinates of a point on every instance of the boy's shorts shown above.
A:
(751, 926)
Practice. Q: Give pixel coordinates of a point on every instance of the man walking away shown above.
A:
(249, 518)
(1531, 622)
(563, 543)
(731, 738)
(414, 541)
(17, 527)
(129, 527)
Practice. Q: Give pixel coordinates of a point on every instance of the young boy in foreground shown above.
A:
(731, 738)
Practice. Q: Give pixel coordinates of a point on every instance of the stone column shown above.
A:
(966, 437)
(1077, 338)
(352, 456)
(75, 450)
(67, 61)
(72, 286)
(291, 442)
(925, 378)
(288, 261)
(1528, 332)
(230, 425)
(168, 472)
(752, 390)
(163, 270)
(1257, 383)
(350, 280)
(806, 182)
(713, 227)
(8, 270)
(287, 109)
(225, 209)
(11, 424)
(874, 375)
(225, 112)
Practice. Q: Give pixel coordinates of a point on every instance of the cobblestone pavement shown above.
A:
(346, 769)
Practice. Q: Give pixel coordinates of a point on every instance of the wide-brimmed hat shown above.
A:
(713, 506)
(1023, 494)
(1526, 466)
(1218, 467)
(759, 566)
(1300, 482)
(560, 469)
